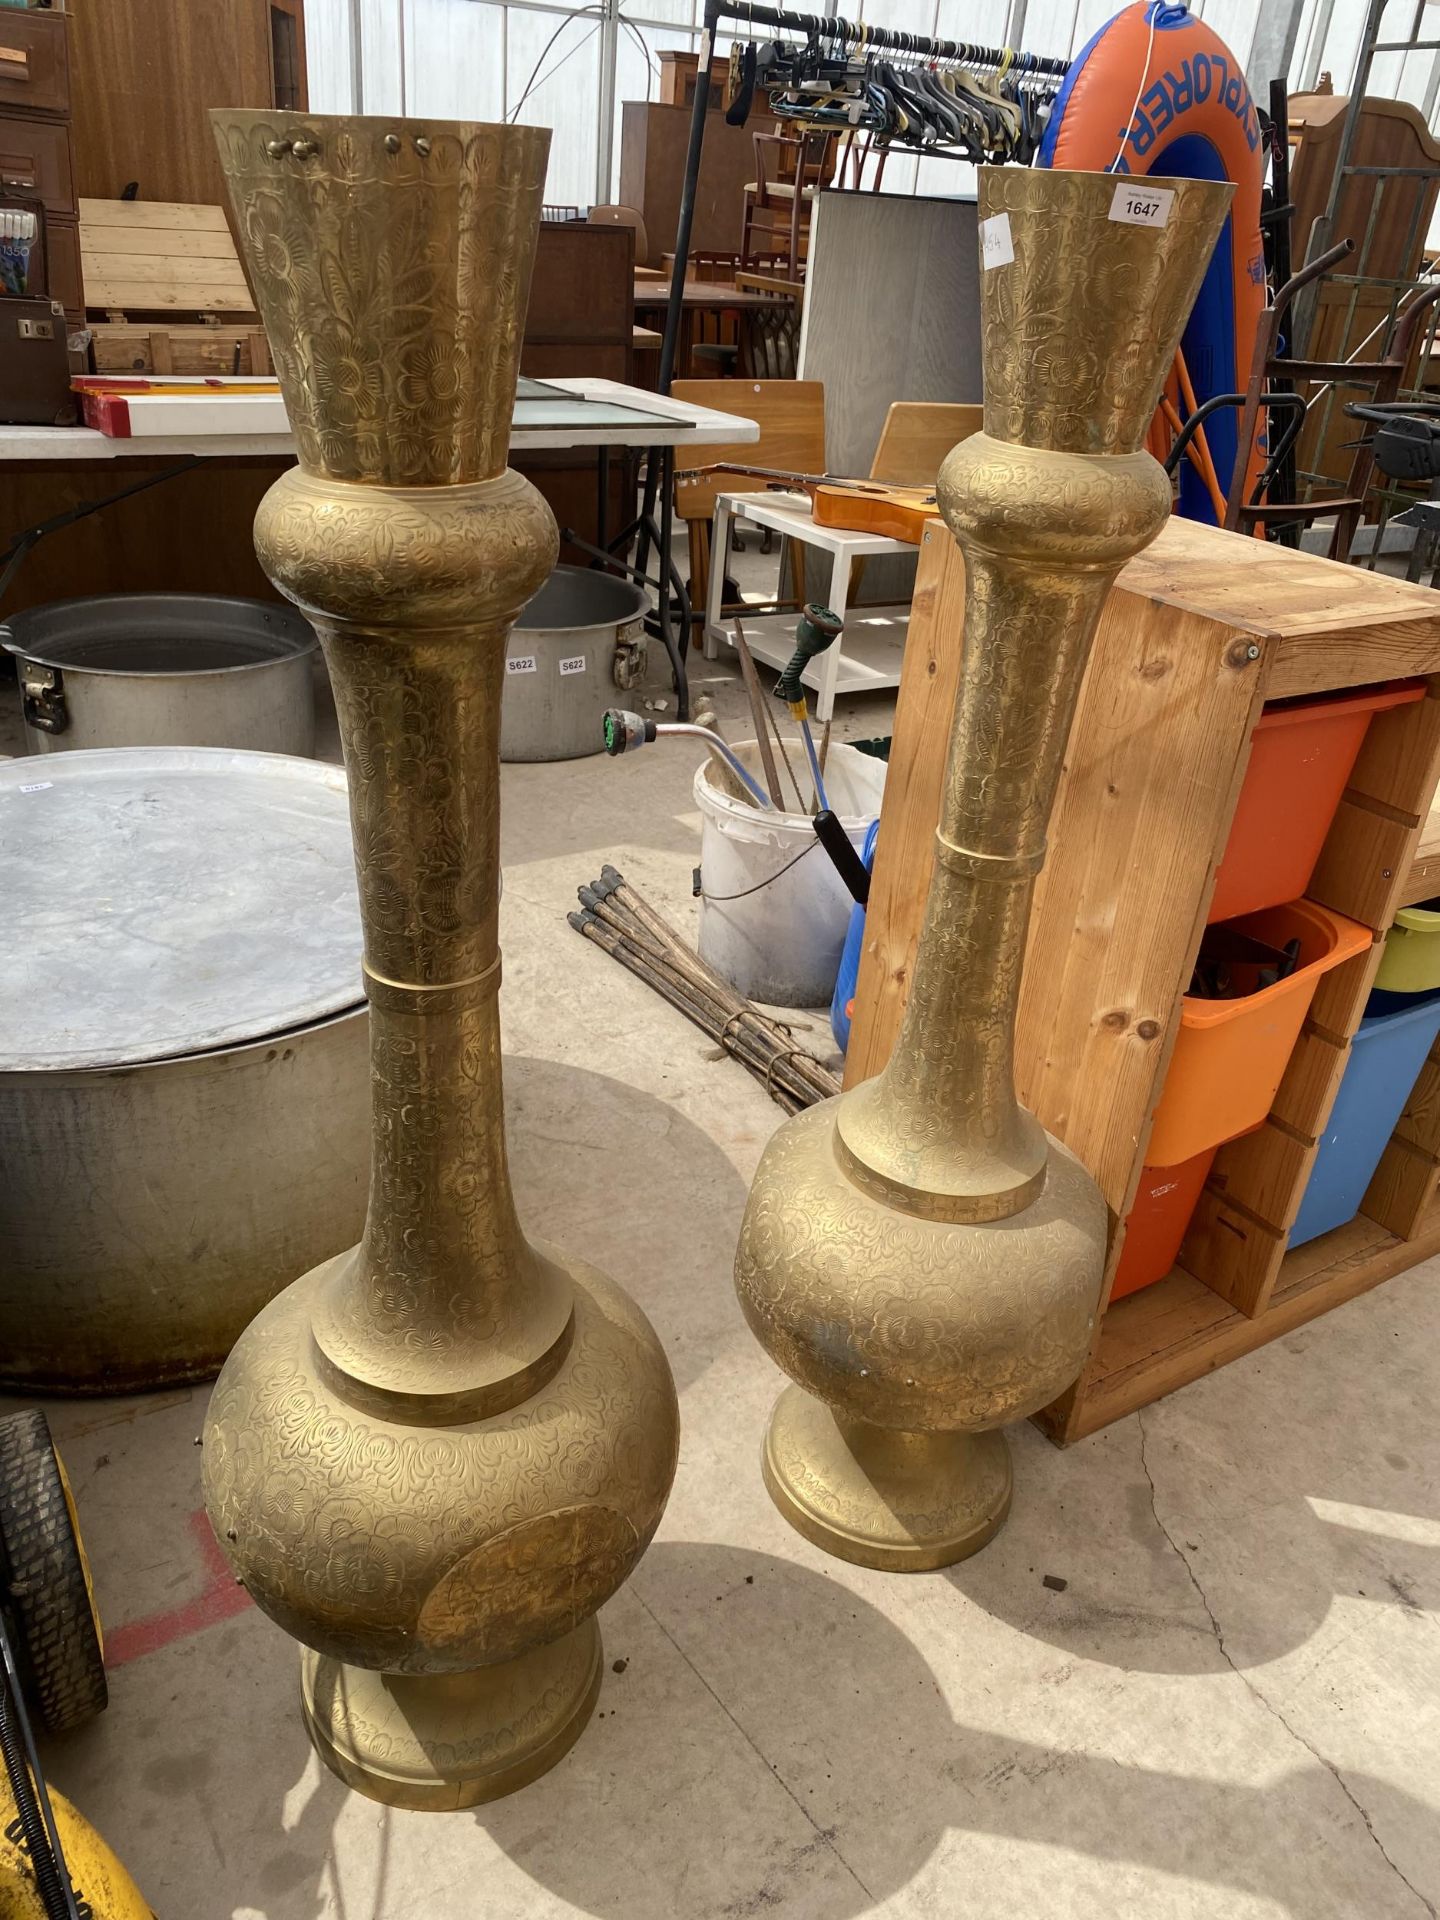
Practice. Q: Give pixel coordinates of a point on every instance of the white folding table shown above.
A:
(668, 423)
(663, 424)
(866, 657)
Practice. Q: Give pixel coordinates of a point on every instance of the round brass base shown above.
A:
(901, 1502)
(438, 1742)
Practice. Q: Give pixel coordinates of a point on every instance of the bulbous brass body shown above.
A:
(433, 1458)
(919, 1256)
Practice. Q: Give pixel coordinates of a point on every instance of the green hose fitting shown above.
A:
(818, 628)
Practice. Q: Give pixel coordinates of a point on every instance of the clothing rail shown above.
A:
(652, 526)
(823, 28)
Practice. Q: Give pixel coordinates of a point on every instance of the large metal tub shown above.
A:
(184, 1076)
(164, 669)
(575, 643)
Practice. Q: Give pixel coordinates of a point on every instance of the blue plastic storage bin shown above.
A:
(1386, 1056)
(849, 973)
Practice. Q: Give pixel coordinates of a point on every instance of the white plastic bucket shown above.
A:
(773, 910)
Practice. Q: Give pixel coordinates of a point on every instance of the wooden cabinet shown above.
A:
(653, 144)
(147, 72)
(35, 160)
(34, 63)
(1202, 629)
(35, 152)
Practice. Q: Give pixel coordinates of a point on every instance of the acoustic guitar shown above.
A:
(856, 506)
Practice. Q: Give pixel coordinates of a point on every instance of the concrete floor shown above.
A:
(1228, 1708)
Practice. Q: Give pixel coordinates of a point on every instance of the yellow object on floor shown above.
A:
(103, 1889)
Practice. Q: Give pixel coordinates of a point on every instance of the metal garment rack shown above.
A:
(650, 527)
(814, 26)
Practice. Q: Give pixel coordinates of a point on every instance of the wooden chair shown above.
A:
(789, 173)
(791, 416)
(916, 437)
(1379, 378)
(616, 216)
(714, 336)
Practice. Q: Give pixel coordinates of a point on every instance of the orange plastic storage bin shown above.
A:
(1156, 1224)
(1301, 755)
(1230, 1055)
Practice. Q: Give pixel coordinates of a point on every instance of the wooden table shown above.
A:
(699, 297)
(1202, 629)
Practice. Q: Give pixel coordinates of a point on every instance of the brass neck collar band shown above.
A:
(1002, 868)
(445, 996)
(951, 1209)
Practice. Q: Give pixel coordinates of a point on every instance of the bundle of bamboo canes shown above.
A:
(624, 925)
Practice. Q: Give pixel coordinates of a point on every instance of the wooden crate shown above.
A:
(169, 283)
(1202, 629)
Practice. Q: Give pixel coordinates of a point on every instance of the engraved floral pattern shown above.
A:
(392, 283)
(446, 1447)
(917, 1254)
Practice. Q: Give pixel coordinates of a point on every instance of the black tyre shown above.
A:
(44, 1586)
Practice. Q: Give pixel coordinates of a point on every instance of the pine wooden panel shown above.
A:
(1385, 646)
(905, 848)
(1263, 1173)
(1341, 995)
(1423, 880)
(134, 296)
(1365, 866)
(1155, 761)
(1178, 1331)
(145, 216)
(1232, 1254)
(1420, 1122)
(116, 243)
(1333, 625)
(159, 348)
(1398, 757)
(1363, 863)
(153, 258)
(1307, 1091)
(1402, 1189)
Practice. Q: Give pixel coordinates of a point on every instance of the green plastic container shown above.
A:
(1411, 962)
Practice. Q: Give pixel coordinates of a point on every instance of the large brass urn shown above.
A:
(919, 1256)
(434, 1457)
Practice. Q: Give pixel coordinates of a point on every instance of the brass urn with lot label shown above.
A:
(918, 1254)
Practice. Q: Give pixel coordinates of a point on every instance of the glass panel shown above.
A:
(572, 410)
(328, 56)
(1235, 22)
(559, 84)
(983, 22)
(943, 179)
(1050, 27)
(903, 16)
(671, 12)
(455, 60)
(383, 77)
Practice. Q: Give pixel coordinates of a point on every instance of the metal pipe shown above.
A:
(626, 732)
